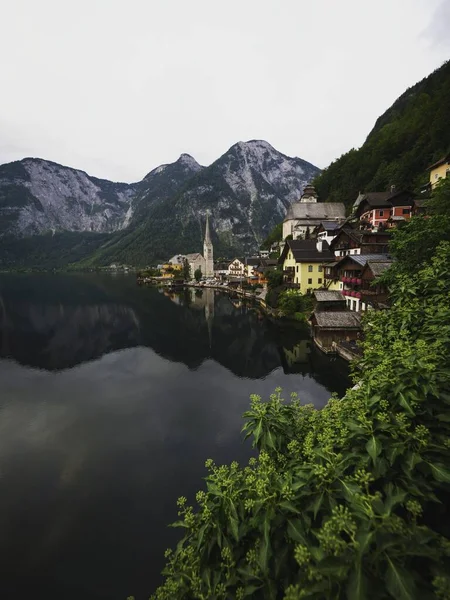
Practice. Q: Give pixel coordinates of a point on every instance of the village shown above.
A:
(334, 259)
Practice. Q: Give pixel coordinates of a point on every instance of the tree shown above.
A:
(345, 502)
(274, 278)
(197, 274)
(186, 270)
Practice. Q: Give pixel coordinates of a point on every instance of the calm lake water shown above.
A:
(111, 398)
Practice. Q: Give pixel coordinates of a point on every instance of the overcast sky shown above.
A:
(118, 87)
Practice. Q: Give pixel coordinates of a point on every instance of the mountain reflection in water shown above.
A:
(55, 322)
(111, 398)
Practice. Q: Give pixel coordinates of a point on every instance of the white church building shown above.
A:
(196, 260)
(308, 212)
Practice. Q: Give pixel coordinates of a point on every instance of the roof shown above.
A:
(378, 199)
(338, 319)
(329, 296)
(306, 251)
(379, 267)
(194, 256)
(441, 161)
(316, 210)
(221, 266)
(330, 225)
(242, 260)
(362, 259)
(253, 261)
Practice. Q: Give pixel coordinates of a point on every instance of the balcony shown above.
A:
(351, 280)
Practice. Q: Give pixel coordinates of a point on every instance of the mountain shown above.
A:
(412, 134)
(52, 216)
(37, 196)
(246, 192)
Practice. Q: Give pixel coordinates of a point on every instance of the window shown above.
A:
(309, 281)
(406, 211)
(310, 268)
(436, 176)
(381, 213)
(319, 281)
(320, 268)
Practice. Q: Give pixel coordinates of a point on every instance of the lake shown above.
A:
(112, 396)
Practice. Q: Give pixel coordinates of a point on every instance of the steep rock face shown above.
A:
(246, 191)
(38, 196)
(162, 183)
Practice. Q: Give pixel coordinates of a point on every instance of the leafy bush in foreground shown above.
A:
(344, 502)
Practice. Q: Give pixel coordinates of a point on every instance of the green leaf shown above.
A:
(405, 404)
(249, 590)
(257, 432)
(399, 582)
(265, 547)
(234, 526)
(373, 447)
(440, 473)
(287, 505)
(317, 504)
(295, 530)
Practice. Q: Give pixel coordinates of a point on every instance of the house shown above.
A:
(347, 275)
(329, 301)
(220, 270)
(236, 268)
(196, 261)
(373, 293)
(251, 263)
(302, 263)
(332, 328)
(355, 241)
(306, 214)
(378, 210)
(265, 266)
(439, 170)
(178, 259)
(264, 253)
(326, 231)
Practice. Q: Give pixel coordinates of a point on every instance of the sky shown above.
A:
(117, 88)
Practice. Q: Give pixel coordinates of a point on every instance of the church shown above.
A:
(196, 261)
(308, 212)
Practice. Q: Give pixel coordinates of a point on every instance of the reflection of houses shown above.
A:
(298, 354)
(332, 328)
(306, 214)
(347, 274)
(302, 262)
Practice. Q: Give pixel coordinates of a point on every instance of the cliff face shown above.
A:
(37, 196)
(246, 192)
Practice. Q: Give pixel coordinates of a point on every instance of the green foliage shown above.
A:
(197, 274)
(274, 278)
(274, 236)
(406, 139)
(292, 301)
(49, 251)
(186, 270)
(413, 245)
(347, 502)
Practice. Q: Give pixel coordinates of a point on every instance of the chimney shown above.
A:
(392, 189)
(319, 245)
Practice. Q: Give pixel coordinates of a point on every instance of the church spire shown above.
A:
(207, 233)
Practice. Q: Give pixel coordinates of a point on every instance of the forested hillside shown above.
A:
(409, 136)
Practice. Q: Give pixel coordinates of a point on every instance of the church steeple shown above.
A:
(208, 251)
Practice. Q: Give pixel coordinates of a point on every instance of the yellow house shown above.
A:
(169, 271)
(303, 263)
(439, 170)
